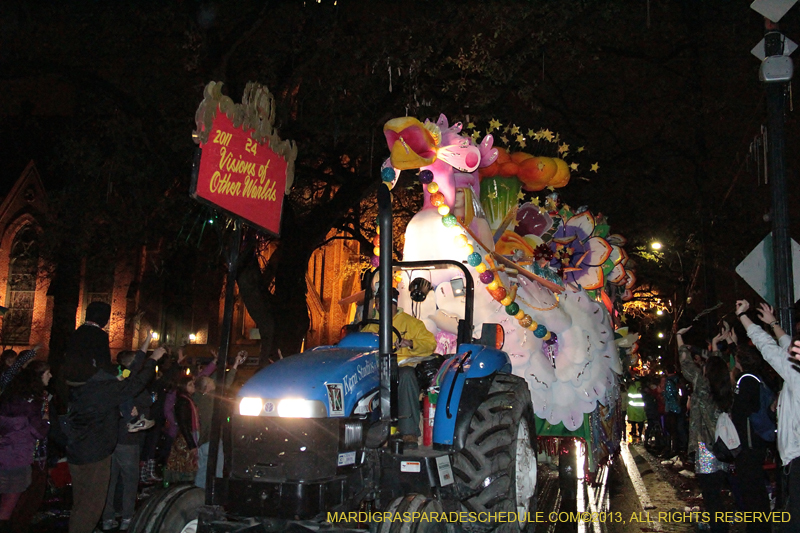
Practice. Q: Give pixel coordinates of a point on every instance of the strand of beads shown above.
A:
(486, 274)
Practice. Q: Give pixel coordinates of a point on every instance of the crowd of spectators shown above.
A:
(140, 420)
(751, 377)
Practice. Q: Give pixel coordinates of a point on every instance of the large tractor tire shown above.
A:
(497, 468)
(172, 510)
(430, 511)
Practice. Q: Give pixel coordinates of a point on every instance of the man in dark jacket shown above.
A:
(93, 415)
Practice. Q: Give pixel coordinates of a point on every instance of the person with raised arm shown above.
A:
(712, 395)
(775, 353)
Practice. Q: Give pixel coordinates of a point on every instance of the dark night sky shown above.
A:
(667, 105)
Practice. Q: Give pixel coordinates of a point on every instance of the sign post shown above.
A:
(245, 170)
(776, 71)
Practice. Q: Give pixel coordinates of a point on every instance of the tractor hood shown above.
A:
(335, 377)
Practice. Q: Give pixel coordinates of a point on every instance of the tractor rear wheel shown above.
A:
(172, 510)
(497, 468)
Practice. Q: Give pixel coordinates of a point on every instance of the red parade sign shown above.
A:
(241, 176)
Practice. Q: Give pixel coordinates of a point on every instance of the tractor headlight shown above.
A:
(297, 408)
(250, 406)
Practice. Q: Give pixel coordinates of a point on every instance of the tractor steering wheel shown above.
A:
(375, 321)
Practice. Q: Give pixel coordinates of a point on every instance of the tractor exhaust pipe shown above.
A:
(388, 364)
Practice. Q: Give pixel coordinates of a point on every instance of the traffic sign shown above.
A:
(757, 270)
(759, 51)
(774, 10)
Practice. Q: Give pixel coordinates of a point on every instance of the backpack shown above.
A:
(726, 440)
(763, 420)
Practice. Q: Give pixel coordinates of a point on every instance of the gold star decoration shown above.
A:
(515, 129)
(520, 195)
(531, 133)
(471, 126)
(538, 135)
(563, 148)
(581, 149)
(573, 166)
(504, 139)
(595, 167)
(547, 134)
(521, 140)
(494, 124)
(535, 200)
(624, 319)
(475, 136)
(551, 188)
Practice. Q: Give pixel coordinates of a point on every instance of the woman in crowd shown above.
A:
(182, 462)
(24, 420)
(712, 395)
(750, 461)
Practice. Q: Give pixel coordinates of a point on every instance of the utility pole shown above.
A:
(781, 240)
(776, 72)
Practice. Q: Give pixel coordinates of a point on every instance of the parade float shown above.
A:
(547, 273)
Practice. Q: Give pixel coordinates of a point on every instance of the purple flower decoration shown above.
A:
(579, 255)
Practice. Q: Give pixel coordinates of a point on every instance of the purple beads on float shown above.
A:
(540, 331)
(387, 174)
(425, 177)
(474, 259)
(486, 277)
(375, 261)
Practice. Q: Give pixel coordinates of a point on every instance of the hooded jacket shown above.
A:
(21, 424)
(93, 413)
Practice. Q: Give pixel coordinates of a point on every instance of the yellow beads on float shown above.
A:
(533, 325)
(493, 284)
(398, 277)
(433, 187)
(469, 248)
(546, 337)
(480, 269)
(520, 315)
(460, 240)
(444, 210)
(506, 301)
(376, 250)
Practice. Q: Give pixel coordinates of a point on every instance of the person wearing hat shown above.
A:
(89, 344)
(415, 341)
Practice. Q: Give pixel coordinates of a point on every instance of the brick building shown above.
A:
(137, 301)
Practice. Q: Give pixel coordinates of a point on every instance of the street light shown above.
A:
(660, 335)
(655, 245)
(659, 312)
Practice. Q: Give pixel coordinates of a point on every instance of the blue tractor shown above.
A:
(311, 439)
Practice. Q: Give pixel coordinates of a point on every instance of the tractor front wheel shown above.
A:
(497, 468)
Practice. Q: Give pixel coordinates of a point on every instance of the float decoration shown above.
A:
(481, 207)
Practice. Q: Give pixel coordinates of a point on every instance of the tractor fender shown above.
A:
(464, 383)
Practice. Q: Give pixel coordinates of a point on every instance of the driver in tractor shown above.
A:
(415, 342)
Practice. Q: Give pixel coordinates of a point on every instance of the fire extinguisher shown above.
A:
(429, 410)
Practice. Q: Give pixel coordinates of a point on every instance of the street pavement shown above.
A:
(634, 493)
